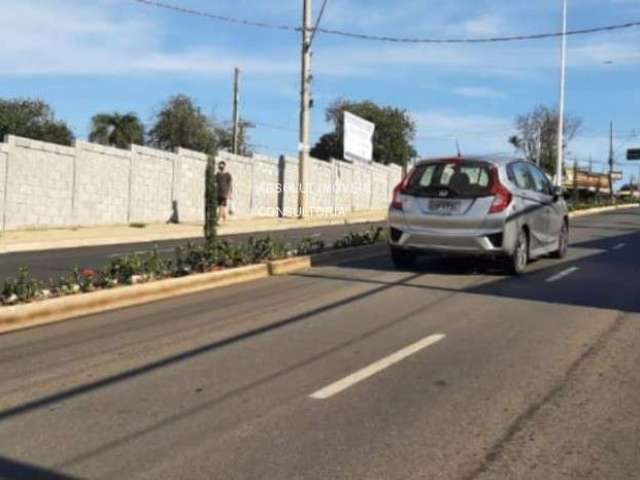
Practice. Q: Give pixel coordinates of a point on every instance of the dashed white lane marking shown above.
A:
(619, 246)
(562, 274)
(376, 367)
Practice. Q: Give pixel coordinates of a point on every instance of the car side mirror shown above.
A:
(557, 192)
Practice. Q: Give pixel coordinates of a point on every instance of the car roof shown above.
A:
(495, 159)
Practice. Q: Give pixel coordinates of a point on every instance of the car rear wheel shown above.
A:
(563, 242)
(402, 259)
(518, 261)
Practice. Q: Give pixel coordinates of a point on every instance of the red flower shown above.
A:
(88, 272)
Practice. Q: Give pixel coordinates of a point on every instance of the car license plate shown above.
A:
(444, 206)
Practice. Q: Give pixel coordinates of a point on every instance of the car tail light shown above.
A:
(503, 196)
(396, 202)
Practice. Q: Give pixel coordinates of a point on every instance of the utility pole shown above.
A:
(236, 110)
(563, 67)
(305, 105)
(611, 160)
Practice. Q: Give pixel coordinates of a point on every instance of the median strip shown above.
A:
(562, 274)
(133, 280)
(375, 368)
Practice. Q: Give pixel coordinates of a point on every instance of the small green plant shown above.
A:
(138, 225)
(21, 289)
(309, 246)
(357, 239)
(191, 258)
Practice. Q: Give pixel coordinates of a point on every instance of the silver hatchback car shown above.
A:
(492, 206)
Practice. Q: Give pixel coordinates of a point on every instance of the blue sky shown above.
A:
(87, 56)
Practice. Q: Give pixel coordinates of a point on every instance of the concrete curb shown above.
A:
(20, 317)
(289, 265)
(159, 237)
(593, 211)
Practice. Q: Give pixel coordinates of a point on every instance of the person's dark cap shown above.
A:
(222, 164)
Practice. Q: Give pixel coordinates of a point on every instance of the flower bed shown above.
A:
(187, 260)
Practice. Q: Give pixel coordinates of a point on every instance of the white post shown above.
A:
(6, 187)
(563, 66)
(305, 104)
(236, 111)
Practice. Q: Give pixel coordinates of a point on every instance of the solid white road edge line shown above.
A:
(376, 367)
(562, 274)
(141, 252)
(619, 246)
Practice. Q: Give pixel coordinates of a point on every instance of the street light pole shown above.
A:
(236, 110)
(611, 156)
(305, 104)
(563, 67)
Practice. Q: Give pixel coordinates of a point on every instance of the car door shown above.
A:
(544, 189)
(532, 205)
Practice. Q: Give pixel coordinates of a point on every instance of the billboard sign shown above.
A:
(358, 138)
(633, 154)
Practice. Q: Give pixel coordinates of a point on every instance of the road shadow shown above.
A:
(14, 470)
(605, 277)
(603, 281)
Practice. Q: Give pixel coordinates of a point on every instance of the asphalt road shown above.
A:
(48, 264)
(349, 371)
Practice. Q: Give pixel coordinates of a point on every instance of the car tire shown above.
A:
(518, 261)
(563, 242)
(402, 259)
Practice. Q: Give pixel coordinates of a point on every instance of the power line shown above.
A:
(213, 16)
(315, 27)
(503, 39)
(385, 38)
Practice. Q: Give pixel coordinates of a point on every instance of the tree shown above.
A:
(210, 202)
(225, 138)
(392, 140)
(181, 123)
(117, 130)
(33, 118)
(538, 135)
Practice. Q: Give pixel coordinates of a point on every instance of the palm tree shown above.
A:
(117, 130)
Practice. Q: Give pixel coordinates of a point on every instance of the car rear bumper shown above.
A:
(472, 243)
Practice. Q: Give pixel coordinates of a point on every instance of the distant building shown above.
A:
(586, 181)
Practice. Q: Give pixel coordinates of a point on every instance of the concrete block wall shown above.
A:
(44, 185)
(189, 186)
(50, 186)
(321, 188)
(3, 168)
(39, 184)
(152, 185)
(265, 186)
(101, 185)
(289, 194)
(266, 182)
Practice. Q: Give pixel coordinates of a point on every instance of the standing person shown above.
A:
(224, 183)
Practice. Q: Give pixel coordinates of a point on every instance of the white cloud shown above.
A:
(481, 134)
(484, 26)
(479, 92)
(39, 38)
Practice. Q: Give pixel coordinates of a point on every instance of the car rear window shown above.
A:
(457, 178)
